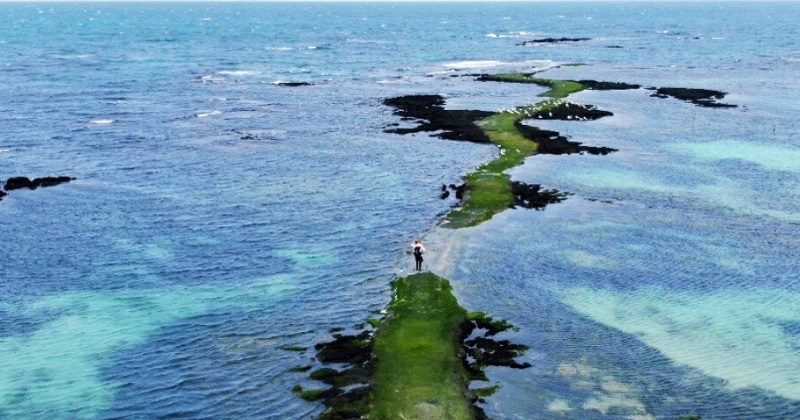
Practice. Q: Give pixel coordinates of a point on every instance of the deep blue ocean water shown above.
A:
(218, 218)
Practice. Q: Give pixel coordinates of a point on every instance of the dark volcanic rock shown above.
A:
(49, 181)
(490, 352)
(348, 395)
(553, 143)
(700, 97)
(346, 349)
(532, 196)
(19, 182)
(570, 111)
(554, 40)
(595, 85)
(459, 189)
(292, 84)
(429, 110)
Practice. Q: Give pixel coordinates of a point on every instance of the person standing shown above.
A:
(418, 250)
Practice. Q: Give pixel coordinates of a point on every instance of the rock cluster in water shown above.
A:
(349, 391)
(458, 189)
(429, 113)
(553, 40)
(21, 182)
(293, 84)
(532, 196)
(700, 97)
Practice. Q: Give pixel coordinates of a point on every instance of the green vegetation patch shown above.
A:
(419, 362)
(491, 325)
(557, 88)
(419, 373)
(489, 187)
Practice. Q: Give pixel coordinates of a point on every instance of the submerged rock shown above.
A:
(346, 349)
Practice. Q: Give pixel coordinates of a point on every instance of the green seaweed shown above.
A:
(488, 323)
(557, 88)
(419, 374)
(487, 391)
(489, 187)
(309, 394)
(293, 348)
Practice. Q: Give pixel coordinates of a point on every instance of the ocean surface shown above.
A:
(220, 220)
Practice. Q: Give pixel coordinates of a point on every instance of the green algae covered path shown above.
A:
(418, 362)
(419, 373)
(489, 186)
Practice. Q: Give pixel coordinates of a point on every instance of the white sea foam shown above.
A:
(518, 34)
(737, 335)
(237, 72)
(474, 64)
(279, 48)
(210, 78)
(208, 114)
(480, 64)
(101, 122)
(73, 56)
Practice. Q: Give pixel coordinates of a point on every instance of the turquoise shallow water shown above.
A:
(218, 218)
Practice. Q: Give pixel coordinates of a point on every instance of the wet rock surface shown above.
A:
(429, 113)
(553, 143)
(293, 84)
(532, 196)
(349, 392)
(459, 191)
(21, 182)
(568, 111)
(700, 97)
(595, 85)
(553, 40)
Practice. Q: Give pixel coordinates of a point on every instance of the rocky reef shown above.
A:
(700, 97)
(418, 362)
(21, 182)
(553, 40)
(428, 111)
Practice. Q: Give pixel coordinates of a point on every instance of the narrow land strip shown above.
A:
(418, 350)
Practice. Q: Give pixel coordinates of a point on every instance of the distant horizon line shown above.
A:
(393, 1)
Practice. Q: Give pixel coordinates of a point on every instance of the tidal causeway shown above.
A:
(417, 361)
